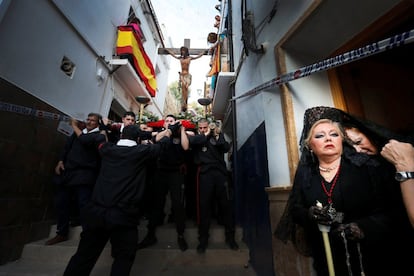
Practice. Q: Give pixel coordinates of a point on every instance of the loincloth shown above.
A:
(186, 79)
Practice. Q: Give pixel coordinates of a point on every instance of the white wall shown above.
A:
(258, 69)
(35, 36)
(311, 42)
(4, 4)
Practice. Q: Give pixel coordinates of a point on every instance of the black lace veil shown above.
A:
(286, 229)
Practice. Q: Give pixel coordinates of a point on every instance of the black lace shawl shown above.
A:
(286, 228)
(378, 134)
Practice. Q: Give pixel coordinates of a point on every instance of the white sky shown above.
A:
(192, 19)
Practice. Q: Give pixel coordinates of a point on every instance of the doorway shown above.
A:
(380, 88)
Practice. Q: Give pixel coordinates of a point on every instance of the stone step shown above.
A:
(163, 258)
(151, 262)
(61, 252)
(167, 233)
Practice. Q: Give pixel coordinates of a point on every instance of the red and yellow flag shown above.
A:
(129, 43)
(216, 63)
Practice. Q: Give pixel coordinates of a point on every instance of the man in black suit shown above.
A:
(113, 210)
(77, 170)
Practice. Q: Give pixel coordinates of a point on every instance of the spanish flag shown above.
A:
(130, 45)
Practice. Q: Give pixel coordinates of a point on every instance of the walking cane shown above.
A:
(325, 230)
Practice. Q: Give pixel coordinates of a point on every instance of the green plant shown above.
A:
(149, 117)
(194, 118)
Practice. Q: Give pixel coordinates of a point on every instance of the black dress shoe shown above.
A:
(182, 244)
(75, 222)
(232, 244)
(147, 241)
(201, 248)
(57, 239)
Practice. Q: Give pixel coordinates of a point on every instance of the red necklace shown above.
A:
(329, 194)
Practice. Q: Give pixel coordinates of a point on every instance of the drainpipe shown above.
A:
(233, 92)
(233, 103)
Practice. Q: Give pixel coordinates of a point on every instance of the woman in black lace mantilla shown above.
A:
(360, 187)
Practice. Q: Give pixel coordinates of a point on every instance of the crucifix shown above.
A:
(183, 54)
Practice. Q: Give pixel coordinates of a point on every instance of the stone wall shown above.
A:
(286, 260)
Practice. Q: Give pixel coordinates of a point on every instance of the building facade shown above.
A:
(285, 57)
(61, 59)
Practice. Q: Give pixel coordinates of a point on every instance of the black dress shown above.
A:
(366, 193)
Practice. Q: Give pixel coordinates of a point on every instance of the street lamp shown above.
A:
(204, 102)
(142, 100)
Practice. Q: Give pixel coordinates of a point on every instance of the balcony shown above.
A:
(222, 95)
(129, 79)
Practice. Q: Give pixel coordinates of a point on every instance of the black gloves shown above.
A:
(175, 129)
(326, 215)
(102, 126)
(320, 215)
(145, 135)
(351, 230)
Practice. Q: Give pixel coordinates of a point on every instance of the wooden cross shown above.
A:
(176, 51)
